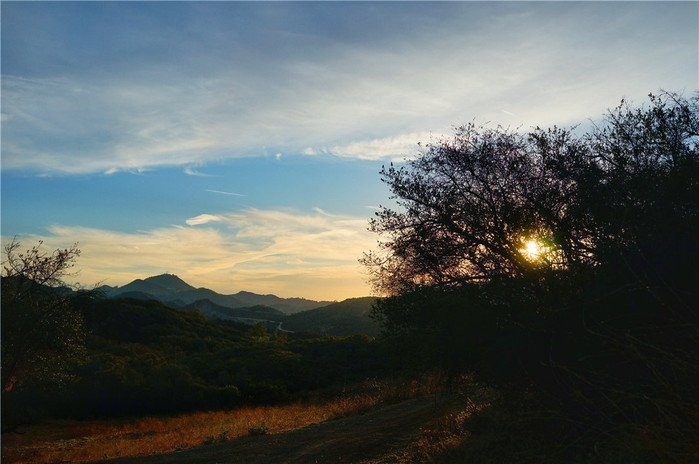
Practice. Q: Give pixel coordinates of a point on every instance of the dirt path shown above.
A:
(366, 438)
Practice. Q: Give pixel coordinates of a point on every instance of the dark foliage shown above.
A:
(144, 357)
(42, 334)
(39, 329)
(345, 318)
(602, 323)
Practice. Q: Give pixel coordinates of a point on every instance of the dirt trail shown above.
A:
(365, 438)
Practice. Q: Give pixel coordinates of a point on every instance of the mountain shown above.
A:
(107, 290)
(170, 289)
(348, 317)
(161, 286)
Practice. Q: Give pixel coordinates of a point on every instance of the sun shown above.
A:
(533, 249)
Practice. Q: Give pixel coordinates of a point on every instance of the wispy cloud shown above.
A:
(395, 147)
(221, 192)
(284, 252)
(323, 213)
(193, 172)
(202, 219)
(362, 95)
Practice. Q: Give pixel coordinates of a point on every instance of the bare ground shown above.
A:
(372, 438)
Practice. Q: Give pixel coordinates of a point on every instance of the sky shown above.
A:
(238, 144)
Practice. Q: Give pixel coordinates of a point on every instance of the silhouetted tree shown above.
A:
(41, 331)
(469, 205)
(643, 199)
(563, 260)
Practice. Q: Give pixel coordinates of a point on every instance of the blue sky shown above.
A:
(238, 145)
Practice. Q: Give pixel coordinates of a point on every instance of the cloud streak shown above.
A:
(221, 192)
(395, 147)
(193, 172)
(202, 219)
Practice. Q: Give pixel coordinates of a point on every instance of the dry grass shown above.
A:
(441, 439)
(73, 441)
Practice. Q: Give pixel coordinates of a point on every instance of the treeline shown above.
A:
(143, 357)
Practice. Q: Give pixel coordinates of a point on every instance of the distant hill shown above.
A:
(198, 294)
(348, 317)
(285, 305)
(147, 358)
(137, 296)
(170, 289)
(214, 311)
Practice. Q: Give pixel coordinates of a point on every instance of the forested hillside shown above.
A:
(349, 317)
(143, 357)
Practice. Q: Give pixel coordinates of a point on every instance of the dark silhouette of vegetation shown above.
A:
(144, 357)
(561, 267)
(42, 334)
(348, 317)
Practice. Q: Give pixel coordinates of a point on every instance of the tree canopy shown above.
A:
(493, 203)
(557, 264)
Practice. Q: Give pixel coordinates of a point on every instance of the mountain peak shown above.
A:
(165, 278)
(158, 286)
(169, 282)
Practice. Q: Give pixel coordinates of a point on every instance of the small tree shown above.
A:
(41, 332)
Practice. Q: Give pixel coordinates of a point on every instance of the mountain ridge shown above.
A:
(325, 318)
(169, 288)
(258, 312)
